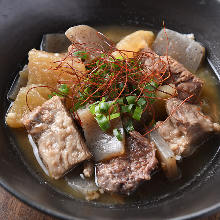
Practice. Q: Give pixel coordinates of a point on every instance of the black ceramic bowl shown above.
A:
(22, 24)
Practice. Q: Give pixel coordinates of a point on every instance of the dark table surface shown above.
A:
(13, 209)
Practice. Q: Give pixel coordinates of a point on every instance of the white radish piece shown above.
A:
(182, 47)
(166, 156)
(85, 186)
(103, 145)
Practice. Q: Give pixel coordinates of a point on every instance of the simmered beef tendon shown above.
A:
(187, 127)
(123, 174)
(59, 142)
(185, 82)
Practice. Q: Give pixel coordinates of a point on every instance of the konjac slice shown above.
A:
(55, 43)
(21, 81)
(182, 47)
(103, 145)
(36, 96)
(43, 68)
(88, 39)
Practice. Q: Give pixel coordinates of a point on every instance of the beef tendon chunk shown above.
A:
(123, 174)
(186, 128)
(185, 82)
(59, 142)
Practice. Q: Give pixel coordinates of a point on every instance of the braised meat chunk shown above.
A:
(186, 83)
(59, 142)
(123, 174)
(187, 127)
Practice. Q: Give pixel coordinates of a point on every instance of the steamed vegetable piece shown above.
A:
(86, 186)
(42, 68)
(134, 42)
(166, 156)
(103, 144)
(88, 39)
(36, 97)
(182, 47)
(21, 81)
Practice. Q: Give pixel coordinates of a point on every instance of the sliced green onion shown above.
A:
(129, 126)
(50, 96)
(81, 54)
(119, 58)
(153, 95)
(114, 115)
(120, 101)
(151, 86)
(141, 102)
(103, 122)
(137, 113)
(117, 134)
(127, 108)
(57, 94)
(131, 99)
(97, 109)
(92, 109)
(103, 107)
(64, 89)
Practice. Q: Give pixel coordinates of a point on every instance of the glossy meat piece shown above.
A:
(59, 142)
(124, 174)
(187, 127)
(103, 145)
(185, 82)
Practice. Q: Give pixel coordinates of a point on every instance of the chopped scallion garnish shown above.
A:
(131, 99)
(137, 113)
(64, 89)
(117, 134)
(103, 122)
(81, 54)
(129, 126)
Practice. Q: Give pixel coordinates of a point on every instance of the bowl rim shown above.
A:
(194, 215)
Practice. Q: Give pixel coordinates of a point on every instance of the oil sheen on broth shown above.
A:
(158, 186)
